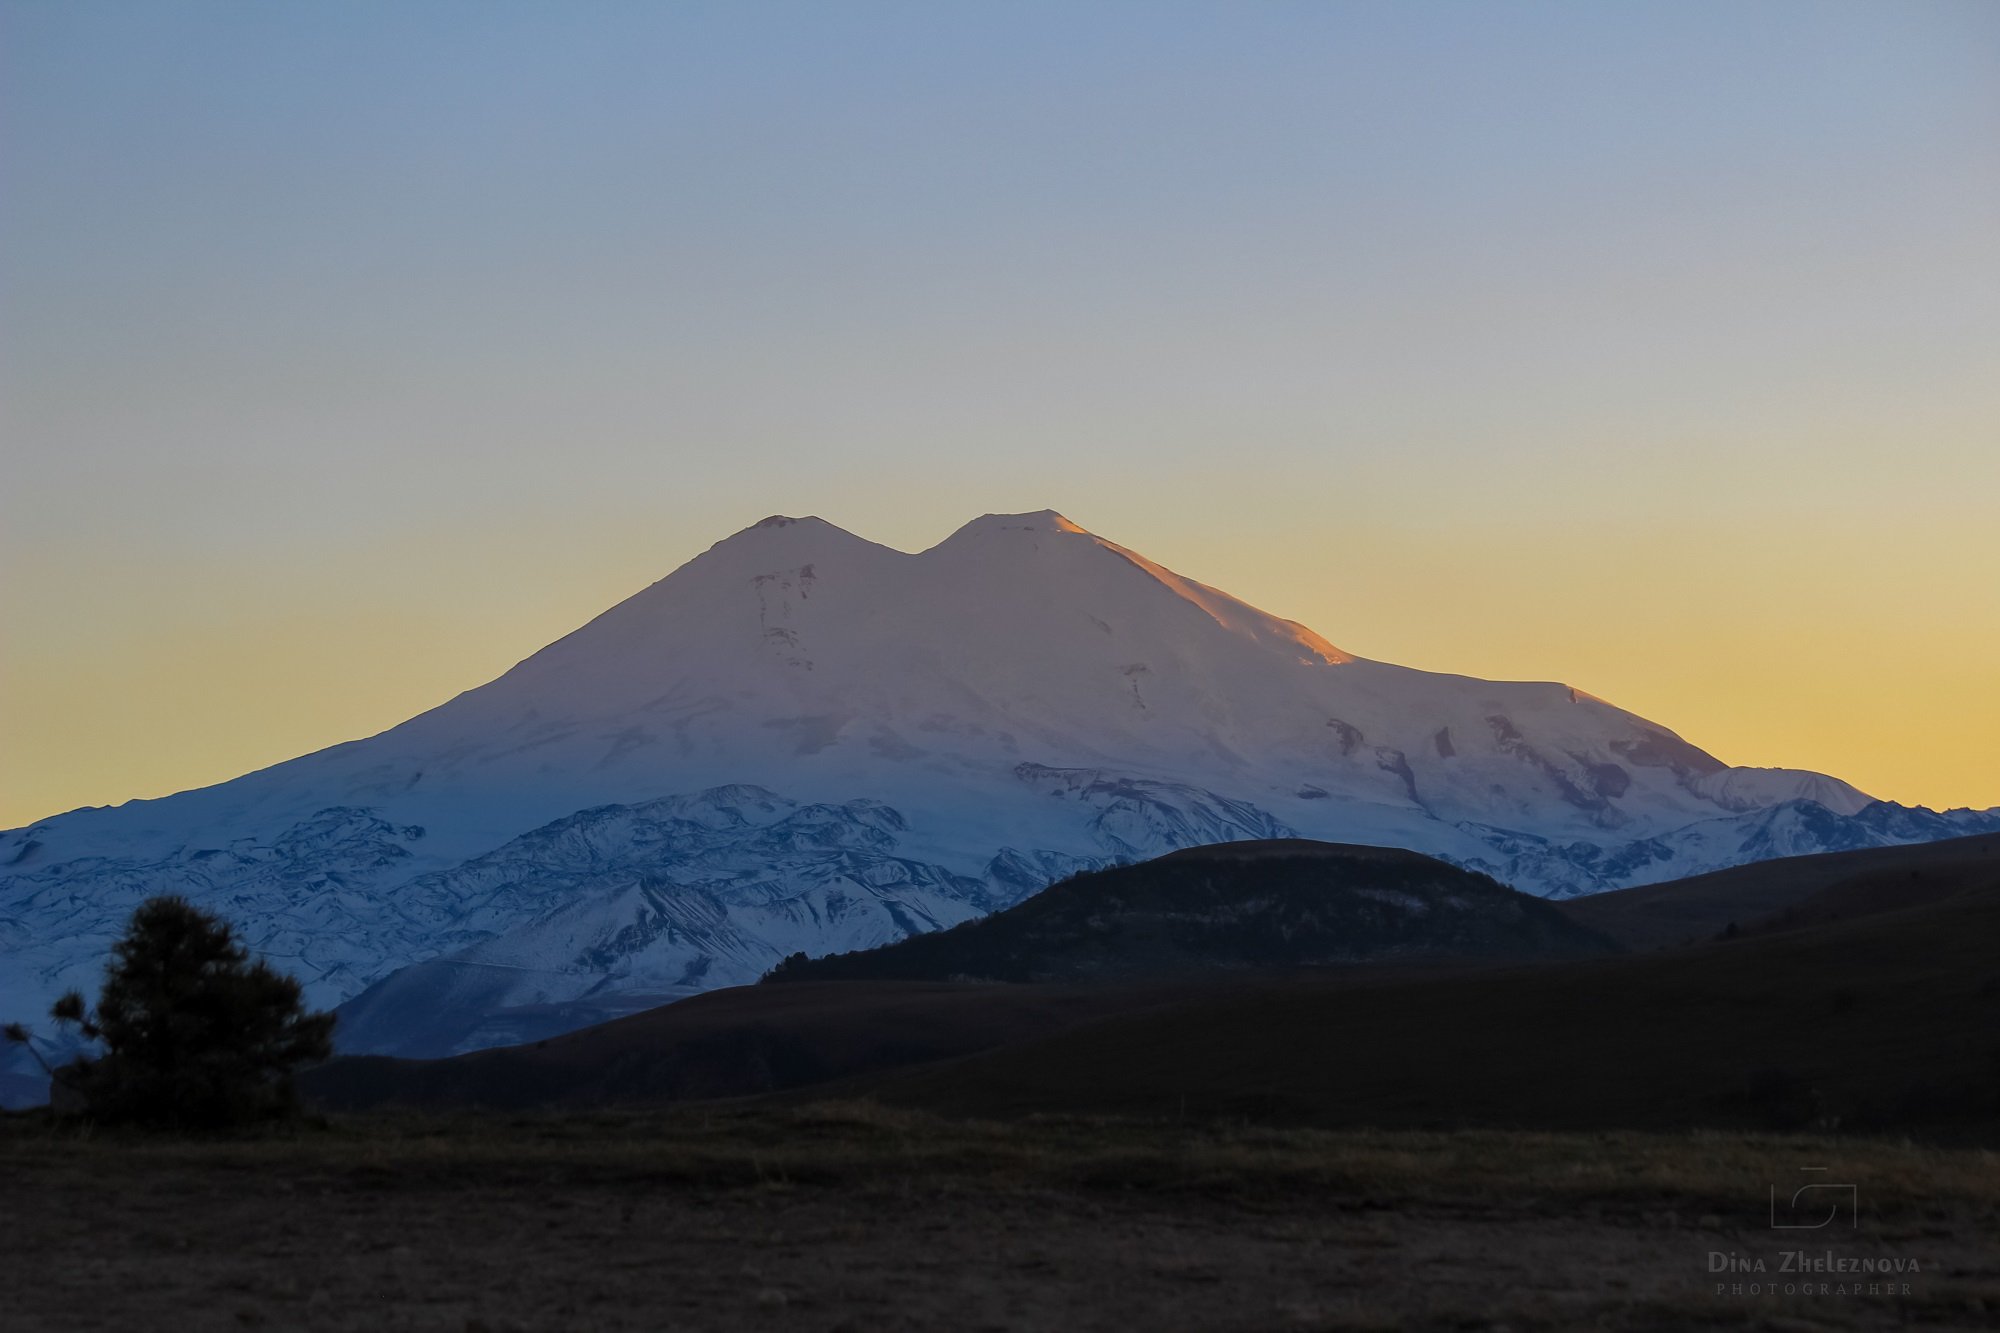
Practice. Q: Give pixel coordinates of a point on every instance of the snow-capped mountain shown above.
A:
(804, 741)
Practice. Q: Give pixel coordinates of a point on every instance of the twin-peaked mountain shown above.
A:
(804, 741)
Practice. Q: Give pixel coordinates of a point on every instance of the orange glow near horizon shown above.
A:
(176, 677)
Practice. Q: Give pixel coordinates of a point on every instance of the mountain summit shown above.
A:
(802, 740)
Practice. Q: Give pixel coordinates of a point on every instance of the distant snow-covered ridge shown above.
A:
(802, 741)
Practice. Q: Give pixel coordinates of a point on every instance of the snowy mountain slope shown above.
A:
(308, 898)
(637, 906)
(1021, 700)
(653, 902)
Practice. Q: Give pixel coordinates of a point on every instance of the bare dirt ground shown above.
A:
(853, 1217)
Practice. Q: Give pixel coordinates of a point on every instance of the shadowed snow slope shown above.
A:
(802, 740)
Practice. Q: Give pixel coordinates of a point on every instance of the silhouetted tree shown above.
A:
(18, 1034)
(194, 1034)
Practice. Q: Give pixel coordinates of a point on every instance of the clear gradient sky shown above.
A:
(349, 352)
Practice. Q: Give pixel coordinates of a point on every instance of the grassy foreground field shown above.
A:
(852, 1216)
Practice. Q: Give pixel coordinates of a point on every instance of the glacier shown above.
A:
(805, 741)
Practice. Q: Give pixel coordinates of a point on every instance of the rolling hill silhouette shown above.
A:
(1848, 1005)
